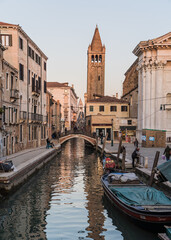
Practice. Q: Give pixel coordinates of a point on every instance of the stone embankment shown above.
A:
(26, 163)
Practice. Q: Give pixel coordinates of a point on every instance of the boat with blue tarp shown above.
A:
(142, 203)
(165, 170)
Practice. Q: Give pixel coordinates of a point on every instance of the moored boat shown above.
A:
(142, 203)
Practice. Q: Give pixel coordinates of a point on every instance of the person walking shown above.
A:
(135, 155)
(167, 153)
(136, 143)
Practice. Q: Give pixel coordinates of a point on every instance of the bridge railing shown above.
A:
(83, 132)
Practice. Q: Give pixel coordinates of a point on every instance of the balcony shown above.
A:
(35, 88)
(14, 95)
(23, 115)
(35, 117)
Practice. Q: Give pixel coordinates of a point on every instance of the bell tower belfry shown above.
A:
(95, 67)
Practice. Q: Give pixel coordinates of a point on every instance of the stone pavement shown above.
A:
(145, 152)
(25, 155)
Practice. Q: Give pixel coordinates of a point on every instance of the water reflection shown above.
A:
(65, 201)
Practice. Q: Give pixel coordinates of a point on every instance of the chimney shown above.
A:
(73, 86)
(116, 95)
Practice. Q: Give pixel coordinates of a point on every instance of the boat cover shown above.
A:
(143, 195)
(165, 169)
(168, 232)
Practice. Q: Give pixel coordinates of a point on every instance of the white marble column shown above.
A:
(153, 100)
(159, 95)
(147, 97)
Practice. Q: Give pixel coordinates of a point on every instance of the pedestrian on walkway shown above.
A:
(136, 143)
(101, 137)
(135, 155)
(167, 153)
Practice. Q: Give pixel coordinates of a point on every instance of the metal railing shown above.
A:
(35, 117)
(23, 115)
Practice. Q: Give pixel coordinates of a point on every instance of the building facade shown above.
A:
(95, 67)
(109, 115)
(66, 96)
(154, 86)
(31, 63)
(130, 89)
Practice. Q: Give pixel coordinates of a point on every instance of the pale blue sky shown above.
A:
(63, 29)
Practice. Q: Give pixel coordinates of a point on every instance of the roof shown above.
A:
(96, 43)
(8, 24)
(19, 28)
(107, 99)
(162, 41)
(57, 84)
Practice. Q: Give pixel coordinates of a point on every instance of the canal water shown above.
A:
(65, 200)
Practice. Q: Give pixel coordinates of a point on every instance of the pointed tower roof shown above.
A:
(96, 44)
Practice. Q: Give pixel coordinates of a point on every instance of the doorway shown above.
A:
(108, 131)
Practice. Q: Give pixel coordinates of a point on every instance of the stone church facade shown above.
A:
(154, 87)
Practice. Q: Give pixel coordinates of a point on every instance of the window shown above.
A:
(28, 76)
(21, 71)
(6, 39)
(12, 113)
(41, 132)
(37, 57)
(124, 108)
(44, 86)
(129, 122)
(29, 132)
(16, 113)
(3, 116)
(4, 142)
(88, 122)
(92, 58)
(91, 108)
(29, 51)
(7, 80)
(21, 133)
(35, 132)
(113, 108)
(32, 54)
(44, 132)
(21, 43)
(99, 78)
(96, 58)
(100, 58)
(45, 66)
(101, 108)
(39, 83)
(9, 115)
(32, 132)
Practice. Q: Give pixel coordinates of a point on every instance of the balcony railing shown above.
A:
(23, 115)
(14, 93)
(36, 117)
(45, 118)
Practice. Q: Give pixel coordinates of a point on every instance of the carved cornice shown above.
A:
(151, 64)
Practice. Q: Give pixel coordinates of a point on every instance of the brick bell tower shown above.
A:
(95, 67)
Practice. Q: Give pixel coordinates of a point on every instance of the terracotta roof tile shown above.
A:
(56, 84)
(8, 24)
(106, 99)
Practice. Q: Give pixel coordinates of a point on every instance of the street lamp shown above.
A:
(112, 133)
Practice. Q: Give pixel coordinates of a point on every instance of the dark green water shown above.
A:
(65, 200)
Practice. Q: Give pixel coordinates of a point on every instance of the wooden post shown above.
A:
(119, 150)
(123, 159)
(96, 143)
(104, 144)
(153, 168)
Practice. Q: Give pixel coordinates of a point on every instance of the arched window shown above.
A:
(100, 58)
(92, 58)
(96, 58)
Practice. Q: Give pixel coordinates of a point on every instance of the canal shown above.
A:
(65, 200)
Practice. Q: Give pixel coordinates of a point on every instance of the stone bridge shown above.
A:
(89, 139)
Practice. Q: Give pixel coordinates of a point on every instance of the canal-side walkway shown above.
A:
(26, 162)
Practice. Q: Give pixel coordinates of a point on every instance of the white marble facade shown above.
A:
(154, 84)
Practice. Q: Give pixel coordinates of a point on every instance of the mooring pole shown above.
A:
(153, 168)
(123, 159)
(119, 150)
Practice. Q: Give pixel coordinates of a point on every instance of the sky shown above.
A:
(63, 29)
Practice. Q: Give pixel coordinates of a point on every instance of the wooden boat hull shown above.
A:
(152, 218)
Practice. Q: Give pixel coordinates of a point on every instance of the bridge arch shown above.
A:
(70, 136)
